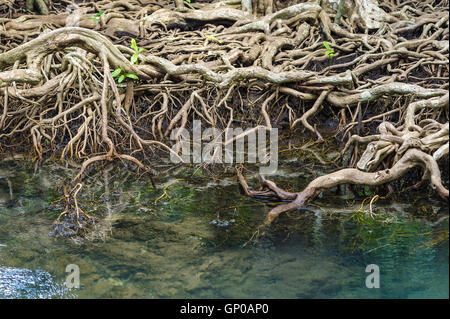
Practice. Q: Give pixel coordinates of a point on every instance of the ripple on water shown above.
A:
(26, 283)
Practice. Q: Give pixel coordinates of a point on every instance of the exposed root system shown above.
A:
(227, 63)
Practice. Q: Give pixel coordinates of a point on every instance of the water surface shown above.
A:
(193, 242)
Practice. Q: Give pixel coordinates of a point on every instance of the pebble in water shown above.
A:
(219, 223)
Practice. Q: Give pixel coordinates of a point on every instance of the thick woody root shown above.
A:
(410, 159)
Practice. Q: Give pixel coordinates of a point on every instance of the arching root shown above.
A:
(410, 159)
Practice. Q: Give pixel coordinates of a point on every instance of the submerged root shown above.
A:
(73, 220)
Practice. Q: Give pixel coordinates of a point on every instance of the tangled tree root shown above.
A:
(231, 62)
(412, 158)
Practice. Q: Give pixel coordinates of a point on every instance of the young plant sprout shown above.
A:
(120, 75)
(135, 56)
(97, 16)
(329, 51)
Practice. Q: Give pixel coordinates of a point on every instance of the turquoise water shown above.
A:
(194, 241)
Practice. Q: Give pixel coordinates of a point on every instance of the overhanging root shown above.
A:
(410, 159)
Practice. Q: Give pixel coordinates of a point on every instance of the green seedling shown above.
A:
(120, 75)
(213, 38)
(329, 51)
(97, 16)
(188, 1)
(134, 58)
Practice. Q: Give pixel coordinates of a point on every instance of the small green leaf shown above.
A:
(134, 59)
(330, 53)
(188, 1)
(121, 78)
(142, 49)
(94, 18)
(100, 13)
(116, 72)
(132, 76)
(213, 38)
(134, 45)
(326, 45)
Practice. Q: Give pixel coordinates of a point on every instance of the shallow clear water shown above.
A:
(193, 242)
